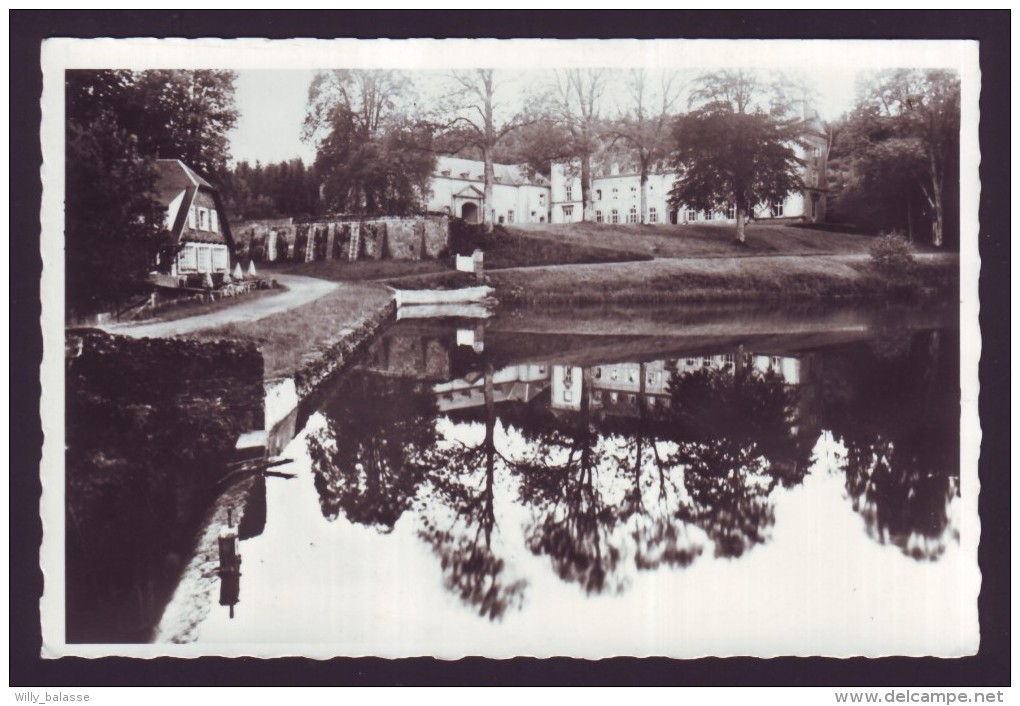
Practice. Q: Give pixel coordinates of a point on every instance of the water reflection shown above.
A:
(604, 467)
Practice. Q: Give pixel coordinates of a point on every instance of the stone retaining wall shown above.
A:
(348, 239)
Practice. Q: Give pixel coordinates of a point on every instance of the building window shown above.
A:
(568, 396)
(653, 215)
(614, 216)
(221, 262)
(598, 216)
(633, 191)
(541, 199)
(731, 212)
(689, 362)
(205, 259)
(691, 216)
(706, 361)
(777, 209)
(616, 193)
(203, 219)
(214, 221)
(509, 216)
(568, 193)
(598, 194)
(501, 219)
(186, 261)
(192, 221)
(632, 215)
(568, 211)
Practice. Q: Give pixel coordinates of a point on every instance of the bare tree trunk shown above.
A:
(938, 235)
(740, 222)
(643, 215)
(587, 205)
(487, 219)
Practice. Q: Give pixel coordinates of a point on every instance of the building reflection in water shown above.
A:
(622, 466)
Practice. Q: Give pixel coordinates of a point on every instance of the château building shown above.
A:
(457, 189)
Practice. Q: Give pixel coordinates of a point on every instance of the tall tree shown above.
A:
(578, 98)
(645, 127)
(481, 121)
(737, 147)
(903, 140)
(373, 154)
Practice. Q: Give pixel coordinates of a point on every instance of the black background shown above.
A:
(29, 28)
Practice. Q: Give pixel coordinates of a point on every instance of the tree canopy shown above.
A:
(374, 155)
(896, 156)
(736, 147)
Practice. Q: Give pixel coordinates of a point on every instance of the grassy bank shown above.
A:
(507, 246)
(296, 342)
(699, 239)
(730, 279)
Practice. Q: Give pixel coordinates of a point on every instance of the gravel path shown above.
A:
(300, 291)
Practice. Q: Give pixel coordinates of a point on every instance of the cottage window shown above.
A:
(598, 216)
(568, 193)
(653, 215)
(203, 219)
(186, 260)
(214, 221)
(192, 220)
(205, 259)
(614, 216)
(632, 215)
(220, 260)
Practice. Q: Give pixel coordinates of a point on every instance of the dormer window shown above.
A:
(214, 221)
(464, 175)
(203, 219)
(446, 172)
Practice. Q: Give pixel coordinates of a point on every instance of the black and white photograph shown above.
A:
(510, 348)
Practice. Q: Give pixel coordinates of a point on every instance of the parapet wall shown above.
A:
(347, 239)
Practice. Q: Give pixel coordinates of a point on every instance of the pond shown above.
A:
(680, 482)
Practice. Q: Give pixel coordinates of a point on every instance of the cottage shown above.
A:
(199, 236)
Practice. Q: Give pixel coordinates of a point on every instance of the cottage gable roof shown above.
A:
(175, 178)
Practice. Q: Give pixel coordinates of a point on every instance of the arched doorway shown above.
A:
(469, 212)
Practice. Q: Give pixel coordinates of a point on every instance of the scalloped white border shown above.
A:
(518, 54)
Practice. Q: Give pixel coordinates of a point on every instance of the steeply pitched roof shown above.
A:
(174, 177)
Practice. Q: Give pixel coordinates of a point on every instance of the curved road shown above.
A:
(300, 290)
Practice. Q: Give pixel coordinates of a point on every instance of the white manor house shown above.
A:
(518, 197)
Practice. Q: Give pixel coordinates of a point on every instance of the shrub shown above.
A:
(893, 252)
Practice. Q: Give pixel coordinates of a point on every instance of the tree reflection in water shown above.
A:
(458, 520)
(896, 410)
(370, 458)
(732, 428)
(574, 516)
(658, 481)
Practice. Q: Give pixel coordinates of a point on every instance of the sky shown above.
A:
(271, 99)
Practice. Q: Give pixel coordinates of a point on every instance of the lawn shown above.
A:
(710, 279)
(699, 239)
(303, 336)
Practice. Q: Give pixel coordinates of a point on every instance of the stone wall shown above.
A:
(342, 239)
